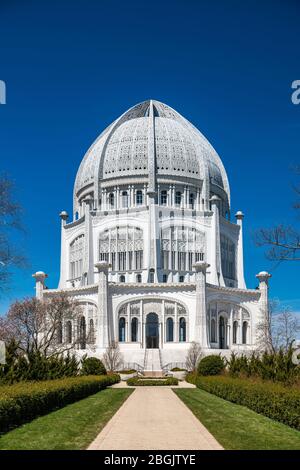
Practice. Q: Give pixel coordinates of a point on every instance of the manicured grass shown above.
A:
(236, 427)
(72, 427)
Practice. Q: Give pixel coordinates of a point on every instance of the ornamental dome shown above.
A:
(150, 141)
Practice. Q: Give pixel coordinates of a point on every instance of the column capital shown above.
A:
(263, 277)
(102, 266)
(215, 199)
(39, 276)
(201, 266)
(64, 215)
(239, 215)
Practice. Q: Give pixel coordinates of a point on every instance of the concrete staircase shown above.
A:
(152, 363)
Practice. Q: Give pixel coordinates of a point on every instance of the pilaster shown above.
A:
(201, 329)
(103, 323)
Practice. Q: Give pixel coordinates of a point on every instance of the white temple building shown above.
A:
(151, 252)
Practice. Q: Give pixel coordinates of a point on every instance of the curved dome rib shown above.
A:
(150, 139)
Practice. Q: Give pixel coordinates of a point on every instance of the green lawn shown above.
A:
(72, 427)
(236, 427)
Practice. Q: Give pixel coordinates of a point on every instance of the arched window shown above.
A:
(192, 200)
(182, 329)
(124, 199)
(163, 198)
(178, 198)
(139, 198)
(76, 257)
(139, 278)
(213, 330)
(181, 247)
(122, 247)
(245, 332)
(122, 329)
(234, 332)
(69, 331)
(170, 329)
(59, 333)
(92, 332)
(228, 258)
(122, 278)
(222, 333)
(111, 200)
(134, 330)
(82, 333)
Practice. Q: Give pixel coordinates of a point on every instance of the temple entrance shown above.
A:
(152, 331)
(222, 342)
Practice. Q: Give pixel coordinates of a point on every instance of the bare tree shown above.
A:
(282, 242)
(112, 358)
(279, 330)
(10, 212)
(194, 355)
(37, 325)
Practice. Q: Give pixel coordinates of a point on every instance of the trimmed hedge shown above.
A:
(269, 399)
(211, 365)
(138, 381)
(25, 401)
(92, 366)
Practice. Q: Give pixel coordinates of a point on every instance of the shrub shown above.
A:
(36, 366)
(272, 400)
(138, 381)
(211, 365)
(92, 366)
(127, 371)
(276, 366)
(23, 402)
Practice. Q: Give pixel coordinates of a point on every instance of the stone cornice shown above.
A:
(234, 290)
(75, 223)
(151, 286)
(72, 290)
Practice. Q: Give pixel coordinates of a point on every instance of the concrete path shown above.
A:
(154, 418)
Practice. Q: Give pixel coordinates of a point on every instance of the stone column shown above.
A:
(201, 330)
(103, 324)
(153, 237)
(216, 276)
(263, 315)
(176, 332)
(88, 258)
(64, 264)
(240, 255)
(40, 277)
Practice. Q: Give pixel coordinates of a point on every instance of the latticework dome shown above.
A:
(150, 140)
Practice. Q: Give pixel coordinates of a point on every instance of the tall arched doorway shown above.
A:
(222, 333)
(152, 331)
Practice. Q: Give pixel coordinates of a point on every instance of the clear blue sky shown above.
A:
(71, 67)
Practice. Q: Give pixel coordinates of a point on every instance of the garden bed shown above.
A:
(145, 381)
(25, 401)
(273, 400)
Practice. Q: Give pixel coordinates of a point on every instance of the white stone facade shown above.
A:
(151, 252)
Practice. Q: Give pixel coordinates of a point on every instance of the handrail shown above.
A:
(172, 365)
(133, 365)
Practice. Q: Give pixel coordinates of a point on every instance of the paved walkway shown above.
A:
(154, 418)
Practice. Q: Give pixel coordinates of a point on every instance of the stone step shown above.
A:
(154, 373)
